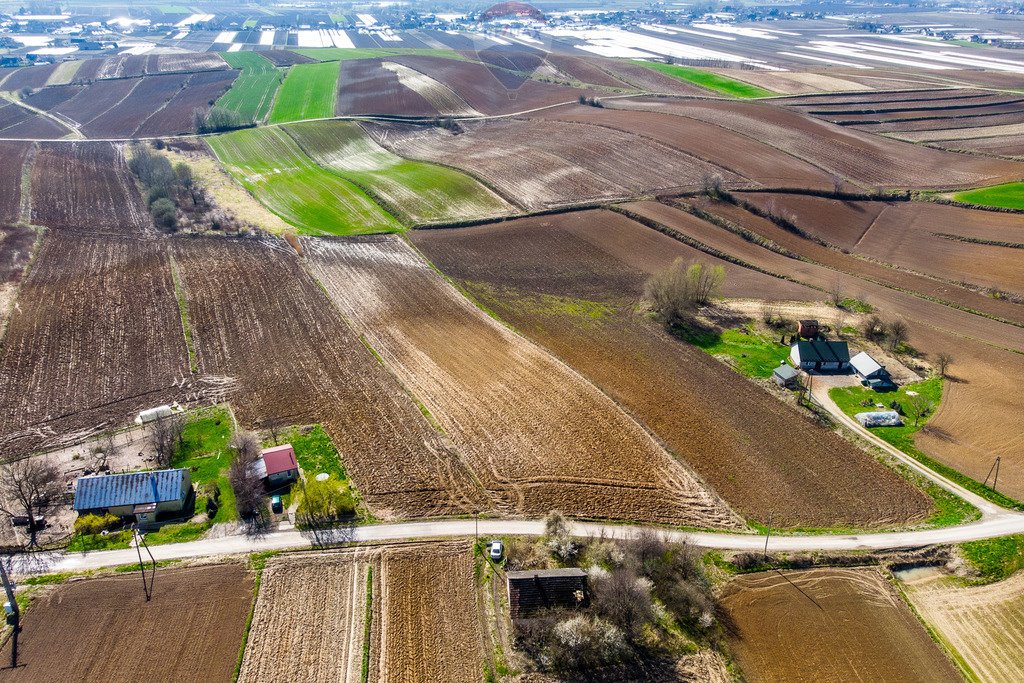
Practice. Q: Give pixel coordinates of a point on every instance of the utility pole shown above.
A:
(994, 468)
(15, 613)
(768, 535)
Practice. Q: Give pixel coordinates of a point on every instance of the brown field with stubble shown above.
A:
(571, 283)
(310, 617)
(828, 624)
(13, 154)
(104, 630)
(281, 351)
(983, 624)
(535, 435)
(76, 357)
(86, 187)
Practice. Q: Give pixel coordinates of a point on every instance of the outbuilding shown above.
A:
(535, 590)
(785, 376)
(872, 373)
(807, 329)
(142, 495)
(279, 466)
(823, 356)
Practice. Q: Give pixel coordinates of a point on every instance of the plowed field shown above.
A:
(548, 163)
(86, 187)
(829, 625)
(571, 282)
(13, 154)
(77, 355)
(534, 434)
(368, 88)
(104, 630)
(310, 617)
(259, 320)
(982, 623)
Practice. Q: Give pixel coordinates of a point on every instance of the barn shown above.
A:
(823, 356)
(146, 496)
(535, 590)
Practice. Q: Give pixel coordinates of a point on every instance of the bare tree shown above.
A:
(840, 321)
(30, 487)
(896, 333)
(874, 329)
(835, 295)
(837, 184)
(771, 314)
(711, 185)
(942, 362)
(917, 407)
(166, 437)
(679, 289)
(246, 483)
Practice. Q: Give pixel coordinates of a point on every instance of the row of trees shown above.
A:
(170, 188)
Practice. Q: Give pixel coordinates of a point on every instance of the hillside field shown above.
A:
(308, 92)
(252, 93)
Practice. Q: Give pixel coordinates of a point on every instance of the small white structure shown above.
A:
(866, 366)
(157, 413)
(879, 418)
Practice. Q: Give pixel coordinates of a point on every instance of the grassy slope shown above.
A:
(335, 54)
(252, 93)
(420, 192)
(1008, 196)
(996, 558)
(277, 172)
(712, 81)
(308, 92)
(751, 354)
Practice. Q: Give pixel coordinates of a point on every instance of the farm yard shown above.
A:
(104, 629)
(836, 624)
(571, 448)
(423, 622)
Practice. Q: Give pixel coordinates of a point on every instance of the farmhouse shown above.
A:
(144, 495)
(824, 356)
(531, 591)
(785, 376)
(872, 373)
(278, 465)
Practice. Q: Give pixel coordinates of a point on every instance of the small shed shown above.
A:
(867, 367)
(143, 495)
(534, 590)
(807, 329)
(785, 376)
(279, 465)
(823, 356)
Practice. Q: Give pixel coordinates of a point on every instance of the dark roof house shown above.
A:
(821, 355)
(534, 590)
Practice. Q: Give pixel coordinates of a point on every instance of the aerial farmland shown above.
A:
(431, 342)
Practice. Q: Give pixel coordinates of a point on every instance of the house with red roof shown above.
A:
(278, 466)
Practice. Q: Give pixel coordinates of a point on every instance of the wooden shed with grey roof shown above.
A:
(535, 590)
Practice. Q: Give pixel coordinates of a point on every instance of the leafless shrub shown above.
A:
(248, 487)
(711, 185)
(678, 290)
(165, 437)
(31, 487)
(873, 329)
(896, 334)
(623, 599)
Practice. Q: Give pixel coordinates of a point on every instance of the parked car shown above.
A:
(275, 505)
(497, 550)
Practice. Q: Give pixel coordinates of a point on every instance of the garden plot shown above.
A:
(982, 624)
(94, 629)
(571, 283)
(419, 192)
(86, 187)
(828, 624)
(75, 358)
(542, 164)
(534, 434)
(264, 328)
(269, 163)
(311, 616)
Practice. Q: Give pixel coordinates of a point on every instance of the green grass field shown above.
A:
(341, 54)
(252, 93)
(711, 81)
(1008, 196)
(418, 192)
(996, 558)
(205, 451)
(269, 163)
(751, 354)
(308, 92)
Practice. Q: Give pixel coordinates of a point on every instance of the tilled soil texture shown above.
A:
(177, 116)
(755, 160)
(27, 77)
(368, 88)
(571, 282)
(982, 623)
(95, 337)
(20, 122)
(310, 618)
(281, 350)
(828, 624)
(586, 71)
(540, 164)
(86, 187)
(856, 156)
(1005, 146)
(947, 242)
(104, 630)
(534, 434)
(13, 155)
(978, 417)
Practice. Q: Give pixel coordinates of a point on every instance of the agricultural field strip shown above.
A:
(72, 128)
(392, 296)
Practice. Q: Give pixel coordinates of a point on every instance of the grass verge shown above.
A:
(995, 558)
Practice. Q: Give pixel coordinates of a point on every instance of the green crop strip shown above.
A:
(252, 93)
(1008, 196)
(308, 92)
(708, 80)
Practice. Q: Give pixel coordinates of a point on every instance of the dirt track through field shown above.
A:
(534, 434)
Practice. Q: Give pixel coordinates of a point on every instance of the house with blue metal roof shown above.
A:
(143, 495)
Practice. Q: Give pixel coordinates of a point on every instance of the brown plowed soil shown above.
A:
(104, 630)
(86, 187)
(312, 608)
(829, 625)
(538, 274)
(95, 337)
(260, 321)
(366, 87)
(28, 77)
(534, 434)
(586, 71)
(1007, 146)
(854, 155)
(13, 155)
(178, 114)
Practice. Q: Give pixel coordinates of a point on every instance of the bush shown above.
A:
(323, 502)
(94, 524)
(217, 119)
(677, 291)
(623, 599)
(584, 643)
(165, 215)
